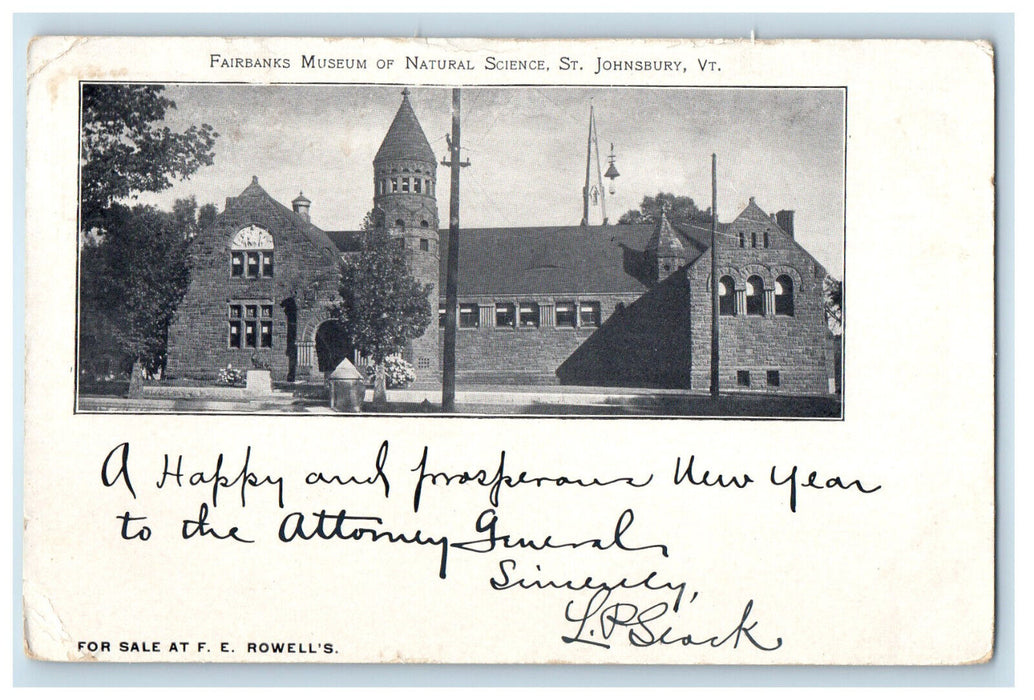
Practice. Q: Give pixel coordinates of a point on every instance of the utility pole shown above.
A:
(714, 276)
(453, 260)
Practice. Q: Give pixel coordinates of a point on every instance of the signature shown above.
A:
(601, 621)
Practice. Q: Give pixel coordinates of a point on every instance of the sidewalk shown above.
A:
(509, 400)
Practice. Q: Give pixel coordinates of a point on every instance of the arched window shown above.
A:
(251, 253)
(424, 224)
(726, 296)
(784, 296)
(400, 223)
(755, 296)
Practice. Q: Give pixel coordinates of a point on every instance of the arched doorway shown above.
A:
(332, 345)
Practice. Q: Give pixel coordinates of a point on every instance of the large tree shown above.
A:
(681, 210)
(134, 266)
(131, 281)
(126, 147)
(382, 306)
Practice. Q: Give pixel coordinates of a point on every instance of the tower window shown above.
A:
(784, 296)
(416, 185)
(772, 377)
(405, 184)
(400, 223)
(742, 378)
(755, 296)
(425, 244)
(441, 315)
(394, 184)
(424, 224)
(726, 297)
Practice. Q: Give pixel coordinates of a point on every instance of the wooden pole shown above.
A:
(714, 276)
(452, 264)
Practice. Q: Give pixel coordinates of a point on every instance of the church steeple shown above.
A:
(405, 174)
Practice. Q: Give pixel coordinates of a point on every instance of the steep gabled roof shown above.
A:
(665, 241)
(405, 138)
(314, 234)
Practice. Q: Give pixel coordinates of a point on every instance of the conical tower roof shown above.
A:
(405, 139)
(664, 239)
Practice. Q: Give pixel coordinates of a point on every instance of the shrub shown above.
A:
(397, 373)
(231, 376)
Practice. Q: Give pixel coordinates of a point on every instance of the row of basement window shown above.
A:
(753, 301)
(529, 314)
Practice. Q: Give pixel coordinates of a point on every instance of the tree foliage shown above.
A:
(681, 210)
(833, 294)
(125, 147)
(382, 306)
(131, 281)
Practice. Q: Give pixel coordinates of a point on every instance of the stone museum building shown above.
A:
(611, 305)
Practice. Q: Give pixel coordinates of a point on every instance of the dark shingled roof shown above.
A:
(553, 260)
(346, 241)
(405, 139)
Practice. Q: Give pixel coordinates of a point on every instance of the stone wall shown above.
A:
(303, 270)
(795, 346)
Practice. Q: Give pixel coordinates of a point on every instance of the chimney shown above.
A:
(301, 206)
(785, 220)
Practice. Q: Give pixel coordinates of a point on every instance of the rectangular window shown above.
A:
(394, 184)
(742, 378)
(743, 240)
(416, 185)
(267, 311)
(266, 334)
(267, 263)
(237, 265)
(754, 240)
(251, 311)
(405, 184)
(441, 316)
(235, 327)
(766, 239)
(505, 316)
(469, 317)
(249, 334)
(253, 264)
(589, 314)
(529, 314)
(430, 188)
(425, 244)
(565, 316)
(772, 376)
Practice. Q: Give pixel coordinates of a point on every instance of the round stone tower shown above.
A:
(404, 185)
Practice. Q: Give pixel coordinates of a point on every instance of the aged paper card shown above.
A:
(509, 351)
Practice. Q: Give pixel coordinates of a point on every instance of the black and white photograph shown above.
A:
(285, 248)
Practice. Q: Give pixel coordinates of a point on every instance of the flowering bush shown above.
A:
(397, 373)
(231, 376)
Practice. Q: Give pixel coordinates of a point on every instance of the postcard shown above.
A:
(509, 351)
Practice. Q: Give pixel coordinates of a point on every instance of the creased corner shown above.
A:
(45, 638)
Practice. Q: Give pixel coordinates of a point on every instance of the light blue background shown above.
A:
(995, 27)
